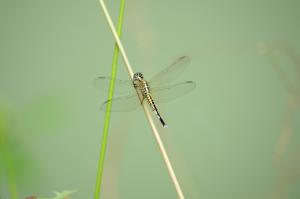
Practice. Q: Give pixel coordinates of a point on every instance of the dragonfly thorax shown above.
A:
(141, 84)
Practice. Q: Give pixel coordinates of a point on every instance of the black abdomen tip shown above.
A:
(163, 122)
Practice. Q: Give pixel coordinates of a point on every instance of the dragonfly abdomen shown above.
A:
(154, 109)
(151, 102)
(146, 92)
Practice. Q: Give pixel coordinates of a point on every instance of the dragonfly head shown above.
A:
(138, 76)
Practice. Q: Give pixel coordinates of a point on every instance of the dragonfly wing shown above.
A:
(169, 93)
(171, 72)
(121, 86)
(122, 104)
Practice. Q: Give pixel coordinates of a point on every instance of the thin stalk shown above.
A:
(8, 160)
(12, 181)
(147, 112)
(108, 107)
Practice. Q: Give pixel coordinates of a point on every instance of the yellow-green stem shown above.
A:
(4, 151)
(108, 107)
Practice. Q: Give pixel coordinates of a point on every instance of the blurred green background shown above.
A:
(236, 136)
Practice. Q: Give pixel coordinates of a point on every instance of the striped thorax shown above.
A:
(143, 87)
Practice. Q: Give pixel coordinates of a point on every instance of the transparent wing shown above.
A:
(121, 86)
(123, 104)
(171, 72)
(169, 93)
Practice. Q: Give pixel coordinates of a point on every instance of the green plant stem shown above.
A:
(12, 182)
(108, 107)
(4, 152)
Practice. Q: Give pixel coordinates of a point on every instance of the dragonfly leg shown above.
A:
(143, 99)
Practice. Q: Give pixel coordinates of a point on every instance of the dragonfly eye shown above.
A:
(138, 76)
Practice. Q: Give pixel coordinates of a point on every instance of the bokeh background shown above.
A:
(236, 136)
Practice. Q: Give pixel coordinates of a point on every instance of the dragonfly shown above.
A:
(158, 89)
